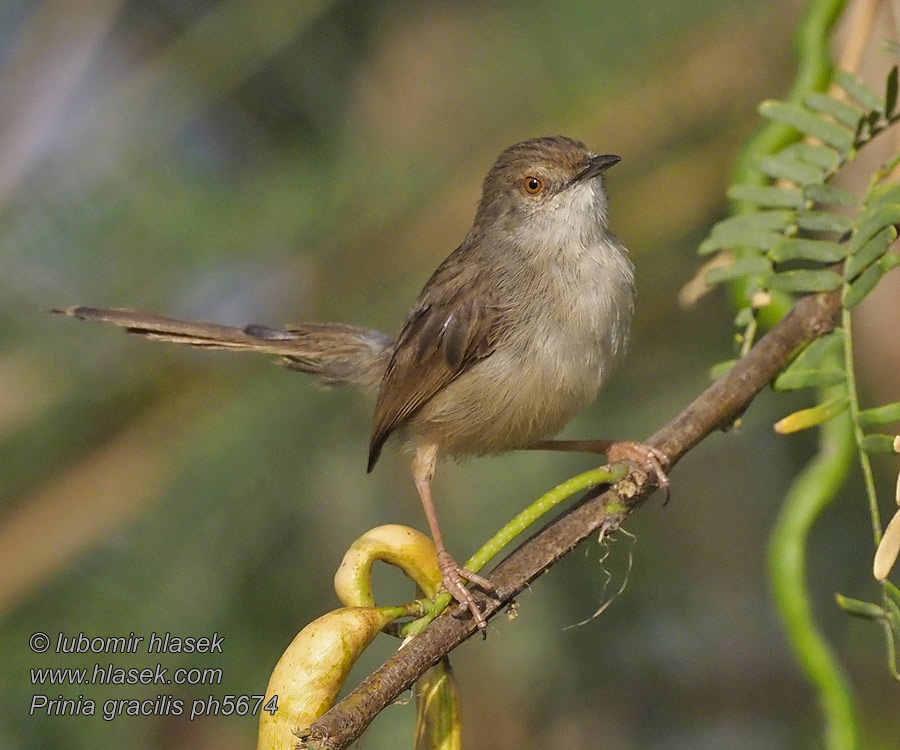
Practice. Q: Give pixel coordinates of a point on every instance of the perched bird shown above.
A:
(512, 335)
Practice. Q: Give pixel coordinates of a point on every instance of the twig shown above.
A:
(716, 408)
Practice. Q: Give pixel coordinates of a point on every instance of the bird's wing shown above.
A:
(451, 327)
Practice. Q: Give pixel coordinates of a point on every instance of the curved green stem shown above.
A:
(809, 495)
(541, 506)
(820, 481)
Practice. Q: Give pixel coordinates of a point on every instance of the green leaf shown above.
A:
(872, 222)
(814, 365)
(861, 129)
(878, 444)
(818, 351)
(870, 252)
(748, 230)
(749, 265)
(794, 379)
(822, 348)
(822, 221)
(858, 90)
(890, 96)
(828, 194)
(880, 415)
(808, 123)
(859, 289)
(889, 262)
(892, 591)
(873, 118)
(821, 251)
(816, 415)
(860, 609)
(774, 220)
(783, 167)
(805, 281)
(719, 369)
(760, 239)
(767, 195)
(844, 113)
(822, 156)
(883, 195)
(868, 279)
(894, 619)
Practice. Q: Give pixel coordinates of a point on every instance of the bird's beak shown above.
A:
(596, 165)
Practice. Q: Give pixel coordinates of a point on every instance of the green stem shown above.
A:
(749, 335)
(864, 463)
(541, 506)
(817, 485)
(808, 496)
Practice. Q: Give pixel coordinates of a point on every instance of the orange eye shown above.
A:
(532, 185)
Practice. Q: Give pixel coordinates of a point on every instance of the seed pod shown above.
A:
(897, 450)
(310, 673)
(408, 549)
(888, 550)
(438, 725)
(816, 415)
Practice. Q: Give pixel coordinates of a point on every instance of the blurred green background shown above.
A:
(284, 161)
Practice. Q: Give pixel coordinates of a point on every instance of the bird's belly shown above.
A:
(514, 397)
(546, 366)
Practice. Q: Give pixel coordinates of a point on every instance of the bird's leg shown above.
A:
(652, 459)
(453, 575)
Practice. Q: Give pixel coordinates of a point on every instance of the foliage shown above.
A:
(799, 233)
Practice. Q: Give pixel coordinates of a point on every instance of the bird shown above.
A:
(511, 336)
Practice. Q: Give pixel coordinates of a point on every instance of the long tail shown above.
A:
(337, 354)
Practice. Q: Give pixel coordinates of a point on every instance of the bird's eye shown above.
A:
(532, 185)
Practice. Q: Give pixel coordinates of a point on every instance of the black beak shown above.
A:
(596, 165)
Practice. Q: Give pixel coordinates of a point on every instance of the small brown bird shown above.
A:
(512, 335)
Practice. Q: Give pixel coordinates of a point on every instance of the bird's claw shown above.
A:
(649, 458)
(453, 576)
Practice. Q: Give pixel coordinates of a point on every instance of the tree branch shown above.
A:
(716, 408)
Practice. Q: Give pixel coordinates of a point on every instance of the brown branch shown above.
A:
(716, 408)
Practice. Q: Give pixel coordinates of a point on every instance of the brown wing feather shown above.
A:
(450, 328)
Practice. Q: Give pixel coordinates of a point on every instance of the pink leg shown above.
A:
(452, 573)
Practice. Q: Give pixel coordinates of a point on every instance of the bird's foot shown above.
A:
(453, 576)
(646, 456)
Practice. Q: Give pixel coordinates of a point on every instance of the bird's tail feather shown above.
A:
(336, 353)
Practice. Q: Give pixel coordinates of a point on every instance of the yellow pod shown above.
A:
(438, 723)
(888, 550)
(816, 415)
(310, 673)
(408, 549)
